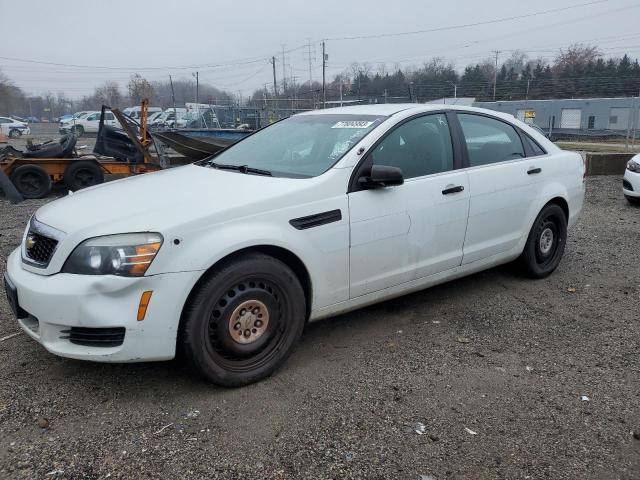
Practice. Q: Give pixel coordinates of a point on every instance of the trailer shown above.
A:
(35, 177)
(33, 173)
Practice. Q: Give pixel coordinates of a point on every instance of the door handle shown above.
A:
(449, 190)
(532, 171)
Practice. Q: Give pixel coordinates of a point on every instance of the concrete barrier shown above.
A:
(607, 163)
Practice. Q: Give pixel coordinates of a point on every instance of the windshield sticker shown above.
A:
(353, 124)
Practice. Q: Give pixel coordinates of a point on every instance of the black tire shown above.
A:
(32, 181)
(633, 200)
(262, 293)
(541, 256)
(82, 174)
(15, 133)
(77, 130)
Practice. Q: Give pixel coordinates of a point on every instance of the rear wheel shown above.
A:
(244, 320)
(15, 133)
(32, 181)
(82, 174)
(546, 242)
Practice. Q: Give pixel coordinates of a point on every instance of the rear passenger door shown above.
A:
(503, 185)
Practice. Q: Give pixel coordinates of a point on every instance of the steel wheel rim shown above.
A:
(223, 348)
(30, 183)
(248, 322)
(84, 177)
(546, 241)
(549, 237)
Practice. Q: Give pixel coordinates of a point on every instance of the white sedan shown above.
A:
(321, 213)
(631, 181)
(13, 128)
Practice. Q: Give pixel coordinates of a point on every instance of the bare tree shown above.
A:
(139, 88)
(109, 94)
(516, 62)
(576, 56)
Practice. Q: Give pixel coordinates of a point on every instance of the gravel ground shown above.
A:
(504, 357)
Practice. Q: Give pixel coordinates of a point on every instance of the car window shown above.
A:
(95, 116)
(421, 146)
(108, 116)
(5, 120)
(533, 145)
(489, 140)
(300, 146)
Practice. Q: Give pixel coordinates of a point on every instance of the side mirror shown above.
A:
(382, 176)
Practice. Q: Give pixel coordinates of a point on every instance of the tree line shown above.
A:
(579, 71)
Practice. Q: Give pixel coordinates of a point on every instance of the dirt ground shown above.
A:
(491, 376)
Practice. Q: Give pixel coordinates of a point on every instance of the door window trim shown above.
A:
(456, 148)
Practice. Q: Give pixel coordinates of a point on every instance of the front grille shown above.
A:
(95, 337)
(627, 185)
(40, 248)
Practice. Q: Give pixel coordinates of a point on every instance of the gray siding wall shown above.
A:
(600, 108)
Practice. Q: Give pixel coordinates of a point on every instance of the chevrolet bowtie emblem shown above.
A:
(30, 242)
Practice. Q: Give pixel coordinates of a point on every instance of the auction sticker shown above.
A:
(353, 124)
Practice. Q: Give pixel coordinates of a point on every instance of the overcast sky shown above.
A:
(230, 42)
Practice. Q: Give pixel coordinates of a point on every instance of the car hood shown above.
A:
(166, 199)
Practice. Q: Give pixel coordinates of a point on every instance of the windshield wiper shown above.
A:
(240, 168)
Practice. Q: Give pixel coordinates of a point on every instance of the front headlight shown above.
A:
(127, 255)
(633, 166)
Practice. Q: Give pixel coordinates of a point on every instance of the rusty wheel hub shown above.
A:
(248, 321)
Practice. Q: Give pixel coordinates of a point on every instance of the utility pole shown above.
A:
(310, 72)
(495, 75)
(173, 98)
(324, 85)
(275, 85)
(341, 92)
(284, 76)
(385, 95)
(197, 104)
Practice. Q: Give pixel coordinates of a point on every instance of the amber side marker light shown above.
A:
(144, 303)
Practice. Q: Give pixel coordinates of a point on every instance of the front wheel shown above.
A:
(545, 243)
(244, 320)
(15, 133)
(633, 200)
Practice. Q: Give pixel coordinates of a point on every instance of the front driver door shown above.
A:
(402, 233)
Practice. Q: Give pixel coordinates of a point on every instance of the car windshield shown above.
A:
(301, 146)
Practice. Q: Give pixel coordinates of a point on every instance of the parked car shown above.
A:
(134, 112)
(88, 123)
(321, 213)
(33, 120)
(154, 118)
(631, 181)
(13, 128)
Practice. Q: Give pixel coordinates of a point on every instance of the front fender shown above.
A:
(324, 250)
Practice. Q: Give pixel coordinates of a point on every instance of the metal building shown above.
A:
(588, 116)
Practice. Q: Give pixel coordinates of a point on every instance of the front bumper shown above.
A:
(631, 184)
(56, 303)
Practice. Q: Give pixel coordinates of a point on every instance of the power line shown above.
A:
(467, 25)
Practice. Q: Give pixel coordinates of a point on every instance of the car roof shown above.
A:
(388, 109)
